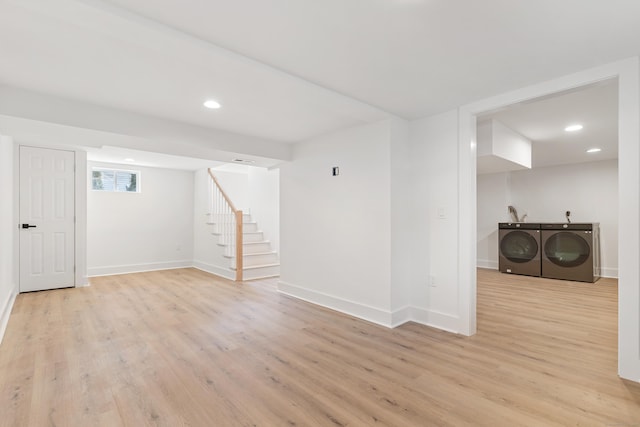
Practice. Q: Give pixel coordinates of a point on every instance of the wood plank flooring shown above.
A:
(184, 348)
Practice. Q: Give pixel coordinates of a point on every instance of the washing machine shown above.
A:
(571, 251)
(519, 248)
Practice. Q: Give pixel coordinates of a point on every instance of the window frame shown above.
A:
(115, 171)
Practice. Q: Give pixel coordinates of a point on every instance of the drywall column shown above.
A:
(629, 221)
(8, 283)
(434, 165)
(402, 222)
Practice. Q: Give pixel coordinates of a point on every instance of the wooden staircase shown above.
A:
(259, 260)
(245, 250)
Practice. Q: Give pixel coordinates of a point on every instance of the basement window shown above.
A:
(115, 180)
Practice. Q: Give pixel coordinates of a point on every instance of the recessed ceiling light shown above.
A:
(594, 150)
(129, 159)
(573, 128)
(212, 104)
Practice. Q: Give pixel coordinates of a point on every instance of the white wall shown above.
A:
(493, 199)
(8, 225)
(434, 154)
(588, 190)
(141, 231)
(234, 180)
(336, 231)
(402, 227)
(264, 201)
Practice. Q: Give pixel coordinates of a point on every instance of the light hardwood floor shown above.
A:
(182, 347)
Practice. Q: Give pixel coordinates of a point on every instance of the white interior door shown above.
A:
(47, 219)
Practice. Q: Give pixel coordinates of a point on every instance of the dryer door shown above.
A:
(518, 246)
(567, 249)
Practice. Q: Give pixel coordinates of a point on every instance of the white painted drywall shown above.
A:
(493, 198)
(503, 142)
(235, 183)
(588, 190)
(8, 225)
(434, 155)
(116, 127)
(402, 227)
(264, 201)
(141, 231)
(335, 230)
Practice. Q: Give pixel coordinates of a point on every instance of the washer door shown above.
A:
(519, 246)
(566, 249)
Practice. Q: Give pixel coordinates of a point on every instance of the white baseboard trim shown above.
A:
(435, 319)
(609, 272)
(401, 316)
(362, 311)
(137, 268)
(487, 263)
(84, 283)
(227, 273)
(5, 311)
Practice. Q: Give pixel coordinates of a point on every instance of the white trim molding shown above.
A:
(137, 268)
(435, 319)
(371, 314)
(627, 73)
(5, 311)
(227, 273)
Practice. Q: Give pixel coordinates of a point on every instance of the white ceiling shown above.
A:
(542, 121)
(124, 156)
(289, 70)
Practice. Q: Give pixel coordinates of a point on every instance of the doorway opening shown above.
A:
(629, 249)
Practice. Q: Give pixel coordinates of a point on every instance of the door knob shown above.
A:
(28, 226)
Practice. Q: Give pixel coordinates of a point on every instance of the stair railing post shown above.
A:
(239, 244)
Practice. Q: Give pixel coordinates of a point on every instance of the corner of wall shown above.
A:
(5, 311)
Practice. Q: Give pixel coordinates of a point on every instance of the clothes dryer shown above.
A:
(571, 251)
(519, 248)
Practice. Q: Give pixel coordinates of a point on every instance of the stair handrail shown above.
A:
(237, 218)
(224, 194)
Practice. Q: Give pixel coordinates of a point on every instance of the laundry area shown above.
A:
(547, 186)
(566, 251)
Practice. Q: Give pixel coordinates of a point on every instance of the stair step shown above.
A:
(256, 247)
(248, 237)
(253, 254)
(247, 227)
(252, 236)
(253, 247)
(249, 260)
(258, 260)
(245, 218)
(253, 267)
(260, 271)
